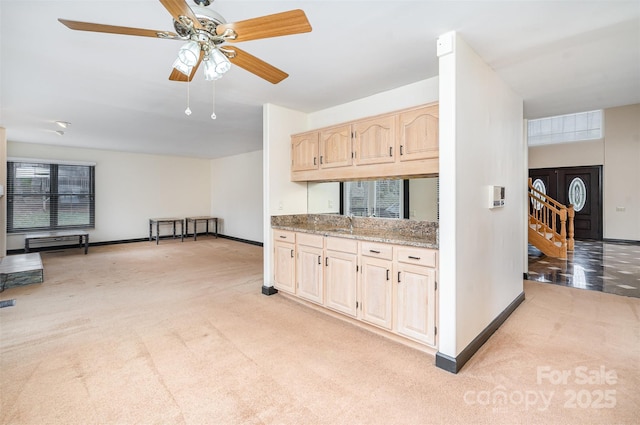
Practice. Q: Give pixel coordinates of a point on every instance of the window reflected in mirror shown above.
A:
(414, 199)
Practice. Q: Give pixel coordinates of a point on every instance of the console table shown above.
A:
(195, 221)
(159, 221)
(59, 235)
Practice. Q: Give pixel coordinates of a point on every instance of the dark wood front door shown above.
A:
(579, 186)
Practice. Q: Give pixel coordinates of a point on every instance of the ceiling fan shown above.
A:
(206, 33)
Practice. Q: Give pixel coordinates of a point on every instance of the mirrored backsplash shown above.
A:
(415, 199)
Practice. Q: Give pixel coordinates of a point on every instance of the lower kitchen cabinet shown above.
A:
(415, 297)
(392, 287)
(341, 275)
(376, 283)
(284, 264)
(309, 267)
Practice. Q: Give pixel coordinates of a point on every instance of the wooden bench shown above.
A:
(83, 237)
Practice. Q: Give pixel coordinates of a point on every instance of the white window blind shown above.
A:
(376, 198)
(565, 128)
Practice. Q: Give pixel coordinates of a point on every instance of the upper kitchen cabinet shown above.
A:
(374, 140)
(304, 151)
(335, 147)
(418, 134)
(399, 144)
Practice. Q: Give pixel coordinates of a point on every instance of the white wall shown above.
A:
(572, 154)
(481, 144)
(236, 195)
(3, 198)
(621, 210)
(131, 188)
(280, 195)
(420, 93)
(619, 154)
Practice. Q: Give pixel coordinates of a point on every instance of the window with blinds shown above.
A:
(42, 196)
(376, 198)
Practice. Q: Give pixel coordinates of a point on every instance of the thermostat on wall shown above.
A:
(496, 196)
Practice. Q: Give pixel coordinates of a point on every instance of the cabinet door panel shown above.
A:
(284, 265)
(416, 303)
(309, 273)
(335, 147)
(304, 151)
(341, 282)
(418, 137)
(376, 292)
(374, 140)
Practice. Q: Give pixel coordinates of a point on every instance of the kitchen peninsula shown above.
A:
(378, 273)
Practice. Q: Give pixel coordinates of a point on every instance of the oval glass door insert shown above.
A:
(538, 185)
(577, 194)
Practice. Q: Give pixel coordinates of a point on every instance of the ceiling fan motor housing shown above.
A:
(207, 17)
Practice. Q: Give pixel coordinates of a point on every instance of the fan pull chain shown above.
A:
(213, 100)
(188, 110)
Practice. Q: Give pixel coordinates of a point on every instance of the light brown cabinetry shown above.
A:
(304, 151)
(399, 144)
(415, 293)
(392, 287)
(284, 264)
(418, 134)
(374, 140)
(335, 147)
(341, 277)
(309, 267)
(377, 284)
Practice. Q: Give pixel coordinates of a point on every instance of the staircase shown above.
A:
(549, 223)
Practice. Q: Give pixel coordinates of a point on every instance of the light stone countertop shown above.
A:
(393, 231)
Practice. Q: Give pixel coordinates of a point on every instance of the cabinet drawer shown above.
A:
(377, 250)
(419, 256)
(307, 239)
(343, 245)
(284, 236)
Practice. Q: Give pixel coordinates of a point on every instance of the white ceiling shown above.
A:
(561, 56)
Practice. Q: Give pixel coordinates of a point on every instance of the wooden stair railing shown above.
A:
(550, 224)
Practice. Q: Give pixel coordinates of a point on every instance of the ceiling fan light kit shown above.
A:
(189, 53)
(182, 67)
(205, 31)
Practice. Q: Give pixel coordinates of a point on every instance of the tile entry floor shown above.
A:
(612, 267)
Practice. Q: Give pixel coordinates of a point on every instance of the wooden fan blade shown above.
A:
(179, 8)
(112, 29)
(179, 76)
(285, 23)
(257, 66)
